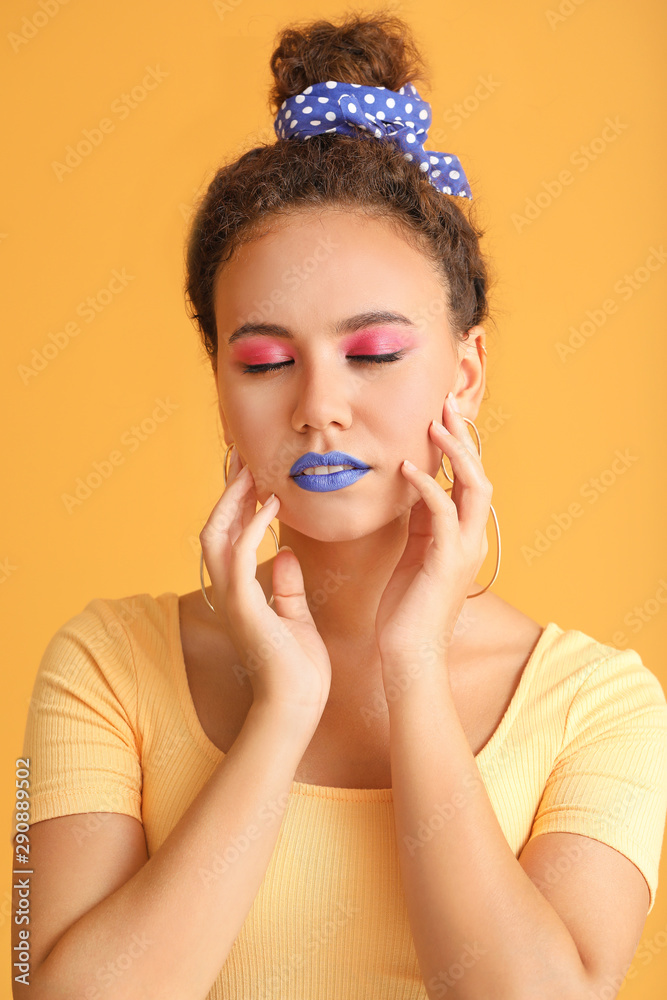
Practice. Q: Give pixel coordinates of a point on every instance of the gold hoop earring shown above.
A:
(495, 519)
(201, 558)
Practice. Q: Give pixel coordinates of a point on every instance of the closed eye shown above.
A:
(376, 359)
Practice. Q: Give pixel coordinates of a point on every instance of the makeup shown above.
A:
(325, 482)
(263, 349)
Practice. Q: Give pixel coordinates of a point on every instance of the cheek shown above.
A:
(250, 416)
(403, 422)
(253, 422)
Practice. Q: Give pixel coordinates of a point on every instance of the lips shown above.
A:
(324, 470)
(330, 462)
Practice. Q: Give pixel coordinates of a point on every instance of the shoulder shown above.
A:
(572, 668)
(570, 652)
(101, 644)
(113, 616)
(597, 673)
(499, 627)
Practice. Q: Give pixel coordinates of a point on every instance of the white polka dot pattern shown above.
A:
(348, 107)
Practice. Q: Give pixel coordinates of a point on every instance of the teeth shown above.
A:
(323, 470)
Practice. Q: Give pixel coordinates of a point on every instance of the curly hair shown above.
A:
(334, 170)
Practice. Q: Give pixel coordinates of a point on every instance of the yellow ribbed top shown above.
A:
(112, 727)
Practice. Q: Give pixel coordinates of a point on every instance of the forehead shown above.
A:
(326, 261)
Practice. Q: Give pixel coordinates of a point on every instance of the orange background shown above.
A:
(552, 424)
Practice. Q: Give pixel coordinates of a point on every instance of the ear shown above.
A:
(471, 376)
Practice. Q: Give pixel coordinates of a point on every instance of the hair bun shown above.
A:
(374, 50)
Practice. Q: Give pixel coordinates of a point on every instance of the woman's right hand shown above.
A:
(283, 653)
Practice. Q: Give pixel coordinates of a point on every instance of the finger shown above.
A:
(243, 585)
(435, 520)
(247, 507)
(471, 492)
(420, 535)
(223, 526)
(235, 466)
(289, 592)
(456, 424)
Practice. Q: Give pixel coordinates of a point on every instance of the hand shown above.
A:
(284, 654)
(446, 547)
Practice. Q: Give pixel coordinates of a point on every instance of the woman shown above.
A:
(352, 770)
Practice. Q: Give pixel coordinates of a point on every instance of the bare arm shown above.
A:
(186, 905)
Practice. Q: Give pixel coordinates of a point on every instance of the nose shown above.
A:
(323, 397)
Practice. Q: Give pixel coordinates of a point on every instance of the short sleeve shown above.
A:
(81, 734)
(609, 780)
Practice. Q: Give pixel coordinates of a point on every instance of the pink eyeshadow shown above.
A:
(259, 353)
(377, 342)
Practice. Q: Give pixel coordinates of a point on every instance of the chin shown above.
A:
(340, 524)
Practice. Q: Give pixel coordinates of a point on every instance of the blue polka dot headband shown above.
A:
(400, 116)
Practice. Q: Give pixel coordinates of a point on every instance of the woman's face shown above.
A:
(303, 285)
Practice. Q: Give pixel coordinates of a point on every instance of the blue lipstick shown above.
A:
(325, 482)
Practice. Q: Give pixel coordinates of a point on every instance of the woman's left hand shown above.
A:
(445, 550)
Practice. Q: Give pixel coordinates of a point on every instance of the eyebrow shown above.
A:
(348, 325)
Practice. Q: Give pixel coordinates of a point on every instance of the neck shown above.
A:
(344, 582)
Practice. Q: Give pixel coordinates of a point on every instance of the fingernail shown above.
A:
(409, 465)
(285, 548)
